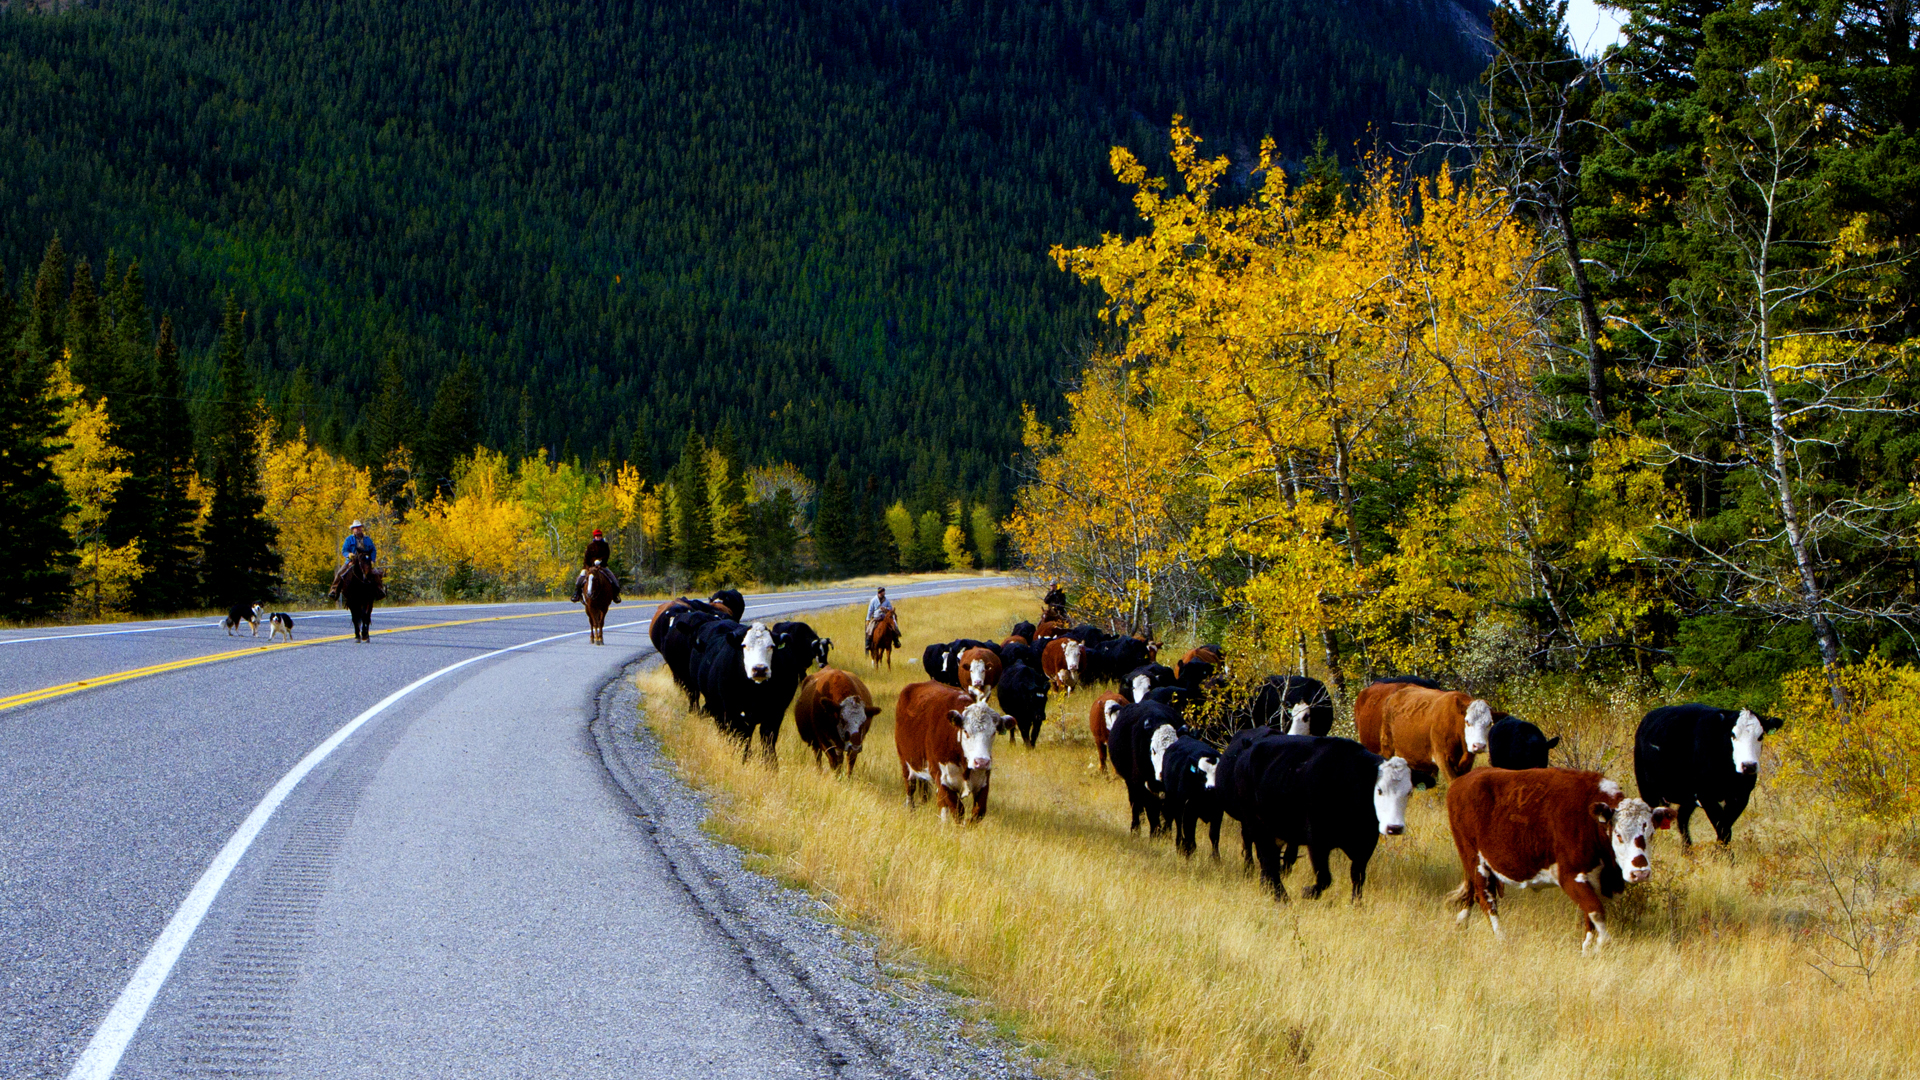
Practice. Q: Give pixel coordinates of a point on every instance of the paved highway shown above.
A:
(201, 875)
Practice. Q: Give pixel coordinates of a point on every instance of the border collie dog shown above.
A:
(242, 614)
(280, 623)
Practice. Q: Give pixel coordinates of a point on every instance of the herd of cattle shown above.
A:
(1281, 774)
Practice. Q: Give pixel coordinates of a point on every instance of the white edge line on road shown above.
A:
(110, 1041)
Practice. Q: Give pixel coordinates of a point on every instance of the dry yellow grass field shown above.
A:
(1120, 955)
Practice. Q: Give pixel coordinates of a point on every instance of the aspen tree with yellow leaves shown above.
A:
(92, 468)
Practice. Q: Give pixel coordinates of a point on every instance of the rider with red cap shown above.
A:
(598, 553)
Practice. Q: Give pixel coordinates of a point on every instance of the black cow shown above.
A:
(963, 644)
(1023, 696)
(1195, 675)
(748, 675)
(1696, 755)
(1187, 773)
(1178, 698)
(732, 601)
(1108, 661)
(1513, 743)
(938, 659)
(1087, 634)
(1130, 747)
(1146, 677)
(1024, 630)
(674, 631)
(1017, 653)
(1323, 794)
(1273, 700)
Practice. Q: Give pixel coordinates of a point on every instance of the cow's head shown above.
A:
(756, 652)
(1300, 724)
(977, 674)
(1748, 730)
(854, 717)
(976, 726)
(1070, 654)
(1207, 766)
(1163, 739)
(1479, 724)
(1113, 712)
(1628, 826)
(822, 647)
(1392, 786)
(1141, 684)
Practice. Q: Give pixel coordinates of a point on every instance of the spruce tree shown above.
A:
(394, 425)
(130, 404)
(239, 565)
(452, 430)
(692, 534)
(88, 358)
(727, 522)
(34, 545)
(833, 526)
(168, 559)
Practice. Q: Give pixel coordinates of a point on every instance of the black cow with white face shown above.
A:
(1697, 755)
(1130, 745)
(748, 675)
(1327, 795)
(1187, 771)
(1146, 677)
(1023, 696)
(1273, 701)
(939, 659)
(1513, 743)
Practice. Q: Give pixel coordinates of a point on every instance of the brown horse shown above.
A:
(359, 589)
(596, 595)
(883, 640)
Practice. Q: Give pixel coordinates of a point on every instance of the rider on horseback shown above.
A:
(598, 553)
(357, 543)
(876, 607)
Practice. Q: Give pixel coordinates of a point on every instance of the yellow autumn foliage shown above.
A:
(1866, 757)
(91, 469)
(311, 496)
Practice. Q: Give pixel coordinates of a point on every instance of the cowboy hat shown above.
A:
(358, 525)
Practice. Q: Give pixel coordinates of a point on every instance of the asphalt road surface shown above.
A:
(456, 888)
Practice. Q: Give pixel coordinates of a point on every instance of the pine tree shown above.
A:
(727, 512)
(692, 533)
(394, 428)
(452, 430)
(239, 565)
(130, 404)
(34, 545)
(833, 525)
(774, 539)
(88, 357)
(171, 571)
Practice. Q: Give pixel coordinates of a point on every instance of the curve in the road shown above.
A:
(110, 1040)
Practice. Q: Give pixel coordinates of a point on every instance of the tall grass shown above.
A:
(1122, 955)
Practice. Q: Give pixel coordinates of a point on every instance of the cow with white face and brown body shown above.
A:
(1547, 827)
(979, 669)
(945, 740)
(1061, 661)
(1438, 732)
(1100, 718)
(832, 714)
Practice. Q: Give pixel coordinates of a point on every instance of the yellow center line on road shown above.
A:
(32, 696)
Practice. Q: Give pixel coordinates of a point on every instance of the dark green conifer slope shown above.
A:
(823, 220)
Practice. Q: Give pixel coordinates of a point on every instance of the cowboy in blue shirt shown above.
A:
(357, 542)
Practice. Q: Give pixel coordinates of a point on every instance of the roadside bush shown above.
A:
(1865, 757)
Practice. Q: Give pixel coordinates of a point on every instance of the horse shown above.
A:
(596, 595)
(883, 640)
(360, 590)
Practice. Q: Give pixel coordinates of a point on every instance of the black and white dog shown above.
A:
(249, 615)
(280, 623)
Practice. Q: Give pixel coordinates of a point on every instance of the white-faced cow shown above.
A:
(832, 713)
(1697, 755)
(1146, 677)
(1324, 794)
(1187, 771)
(945, 740)
(1131, 743)
(1547, 827)
(1437, 731)
(979, 669)
(1106, 708)
(748, 675)
(1061, 661)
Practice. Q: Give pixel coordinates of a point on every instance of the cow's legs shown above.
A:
(949, 801)
(1102, 747)
(1213, 831)
(1357, 858)
(1246, 845)
(1683, 815)
(1269, 851)
(770, 741)
(906, 778)
(979, 802)
(1320, 858)
(1730, 812)
(1593, 914)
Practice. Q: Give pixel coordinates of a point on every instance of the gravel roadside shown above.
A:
(869, 1020)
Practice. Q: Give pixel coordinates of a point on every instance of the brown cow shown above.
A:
(979, 671)
(1014, 639)
(1205, 654)
(1100, 721)
(1547, 827)
(1060, 660)
(1048, 630)
(1437, 731)
(832, 713)
(945, 739)
(1367, 707)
